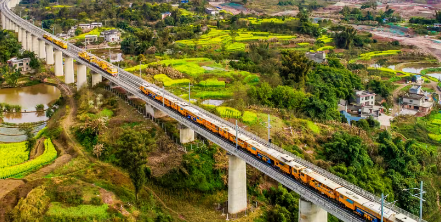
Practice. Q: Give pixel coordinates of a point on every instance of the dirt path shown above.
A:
(396, 107)
(9, 185)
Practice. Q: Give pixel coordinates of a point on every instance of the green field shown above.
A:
(257, 21)
(95, 31)
(369, 55)
(48, 156)
(86, 212)
(218, 37)
(167, 81)
(13, 154)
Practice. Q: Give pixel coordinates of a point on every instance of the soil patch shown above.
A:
(38, 150)
(7, 185)
(10, 200)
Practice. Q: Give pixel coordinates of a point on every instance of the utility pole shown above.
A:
(418, 196)
(140, 69)
(163, 94)
(269, 127)
(382, 206)
(236, 133)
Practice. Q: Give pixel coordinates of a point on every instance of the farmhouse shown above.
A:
(96, 25)
(422, 103)
(84, 26)
(318, 57)
(165, 15)
(111, 35)
(91, 38)
(211, 11)
(20, 64)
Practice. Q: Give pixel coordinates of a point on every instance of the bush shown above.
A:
(39, 107)
(167, 81)
(96, 201)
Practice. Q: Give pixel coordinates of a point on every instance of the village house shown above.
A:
(211, 11)
(84, 26)
(363, 98)
(165, 15)
(96, 25)
(71, 31)
(111, 35)
(20, 64)
(422, 103)
(318, 57)
(91, 38)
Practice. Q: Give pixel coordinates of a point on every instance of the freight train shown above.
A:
(105, 66)
(56, 41)
(370, 211)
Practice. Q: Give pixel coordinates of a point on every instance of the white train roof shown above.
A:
(376, 207)
(403, 218)
(323, 180)
(350, 194)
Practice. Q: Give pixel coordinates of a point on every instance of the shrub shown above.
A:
(96, 201)
(39, 107)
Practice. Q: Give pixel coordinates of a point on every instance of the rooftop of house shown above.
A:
(413, 96)
(166, 13)
(15, 60)
(362, 93)
(109, 32)
(90, 36)
(84, 24)
(96, 23)
(415, 89)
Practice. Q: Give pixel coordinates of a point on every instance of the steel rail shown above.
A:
(131, 84)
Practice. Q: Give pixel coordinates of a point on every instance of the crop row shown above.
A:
(10, 145)
(48, 156)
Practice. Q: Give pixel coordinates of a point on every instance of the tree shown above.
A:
(12, 77)
(344, 148)
(233, 34)
(30, 140)
(78, 31)
(294, 69)
(345, 38)
(132, 148)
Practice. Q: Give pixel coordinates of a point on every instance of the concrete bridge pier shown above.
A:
(96, 78)
(237, 185)
(186, 134)
(58, 63)
(3, 21)
(35, 46)
(20, 35)
(309, 212)
(42, 53)
(16, 28)
(81, 76)
(69, 76)
(29, 41)
(156, 113)
(49, 54)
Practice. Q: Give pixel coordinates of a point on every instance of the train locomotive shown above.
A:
(56, 41)
(105, 66)
(370, 211)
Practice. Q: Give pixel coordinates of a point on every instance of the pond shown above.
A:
(435, 75)
(28, 97)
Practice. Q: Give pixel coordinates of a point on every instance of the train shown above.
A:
(56, 41)
(105, 66)
(366, 209)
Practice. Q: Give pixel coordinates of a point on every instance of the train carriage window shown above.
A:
(282, 164)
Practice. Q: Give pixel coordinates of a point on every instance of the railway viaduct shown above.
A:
(313, 206)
